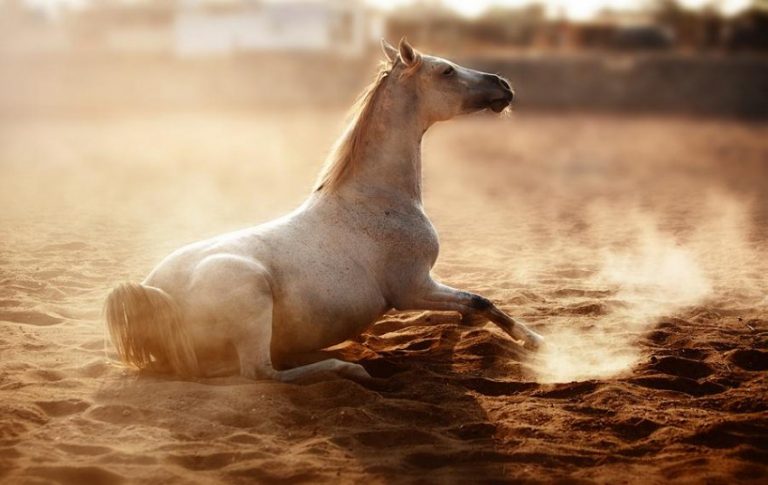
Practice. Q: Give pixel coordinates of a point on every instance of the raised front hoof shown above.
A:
(534, 341)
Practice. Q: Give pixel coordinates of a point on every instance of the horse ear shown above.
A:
(407, 53)
(389, 50)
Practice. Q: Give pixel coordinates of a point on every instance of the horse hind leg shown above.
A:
(233, 296)
(252, 340)
(238, 294)
(253, 345)
(254, 355)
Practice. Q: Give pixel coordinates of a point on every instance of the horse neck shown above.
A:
(390, 155)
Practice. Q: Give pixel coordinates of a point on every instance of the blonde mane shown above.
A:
(345, 151)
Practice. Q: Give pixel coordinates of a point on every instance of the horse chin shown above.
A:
(498, 105)
(495, 105)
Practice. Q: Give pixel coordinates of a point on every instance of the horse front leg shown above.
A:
(439, 297)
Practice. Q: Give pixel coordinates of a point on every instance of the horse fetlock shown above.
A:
(534, 341)
(531, 339)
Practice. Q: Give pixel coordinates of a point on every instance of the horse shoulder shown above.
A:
(413, 230)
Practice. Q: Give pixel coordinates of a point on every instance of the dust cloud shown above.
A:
(648, 275)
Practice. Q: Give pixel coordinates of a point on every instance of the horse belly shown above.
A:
(313, 315)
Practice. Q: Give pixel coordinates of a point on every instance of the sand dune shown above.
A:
(638, 246)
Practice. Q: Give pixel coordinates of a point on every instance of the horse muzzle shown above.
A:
(497, 102)
(496, 94)
(498, 105)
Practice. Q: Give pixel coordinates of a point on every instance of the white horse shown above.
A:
(276, 294)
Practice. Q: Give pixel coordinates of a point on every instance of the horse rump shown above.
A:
(146, 329)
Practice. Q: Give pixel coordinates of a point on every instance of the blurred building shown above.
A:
(193, 28)
(28, 32)
(115, 26)
(345, 27)
(631, 30)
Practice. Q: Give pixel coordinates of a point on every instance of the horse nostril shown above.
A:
(503, 83)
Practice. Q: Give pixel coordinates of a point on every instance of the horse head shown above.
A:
(443, 89)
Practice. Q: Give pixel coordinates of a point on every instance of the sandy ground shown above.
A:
(637, 246)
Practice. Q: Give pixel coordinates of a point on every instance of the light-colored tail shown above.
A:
(147, 332)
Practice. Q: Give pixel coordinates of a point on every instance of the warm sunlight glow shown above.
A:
(383, 241)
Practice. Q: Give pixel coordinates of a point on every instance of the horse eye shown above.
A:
(448, 71)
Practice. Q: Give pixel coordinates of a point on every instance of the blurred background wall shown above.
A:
(694, 57)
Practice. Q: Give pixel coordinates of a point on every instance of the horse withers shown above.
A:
(360, 245)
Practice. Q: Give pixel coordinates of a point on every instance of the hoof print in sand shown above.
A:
(30, 317)
(568, 391)
(679, 384)
(750, 359)
(492, 387)
(682, 367)
(63, 408)
(731, 434)
(633, 429)
(67, 475)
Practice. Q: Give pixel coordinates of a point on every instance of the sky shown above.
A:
(573, 9)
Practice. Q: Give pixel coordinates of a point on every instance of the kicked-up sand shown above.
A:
(637, 246)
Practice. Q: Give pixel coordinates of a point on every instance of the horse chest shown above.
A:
(407, 238)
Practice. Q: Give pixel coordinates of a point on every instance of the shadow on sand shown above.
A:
(420, 418)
